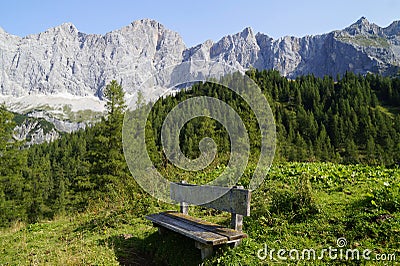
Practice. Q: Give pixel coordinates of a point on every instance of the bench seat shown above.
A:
(201, 231)
(235, 200)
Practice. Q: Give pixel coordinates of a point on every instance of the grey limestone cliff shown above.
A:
(361, 48)
(63, 60)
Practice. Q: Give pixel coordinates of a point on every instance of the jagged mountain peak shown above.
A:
(362, 21)
(7, 35)
(236, 42)
(393, 28)
(144, 26)
(148, 30)
(147, 22)
(363, 26)
(247, 33)
(67, 27)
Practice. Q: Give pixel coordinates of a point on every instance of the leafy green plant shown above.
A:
(299, 204)
(386, 197)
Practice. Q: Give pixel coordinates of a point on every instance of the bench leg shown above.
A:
(236, 243)
(161, 230)
(206, 250)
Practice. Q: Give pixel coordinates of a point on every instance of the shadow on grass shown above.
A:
(127, 250)
(167, 249)
(135, 248)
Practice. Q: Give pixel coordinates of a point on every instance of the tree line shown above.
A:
(355, 119)
(65, 175)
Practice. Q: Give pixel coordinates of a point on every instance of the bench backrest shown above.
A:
(235, 200)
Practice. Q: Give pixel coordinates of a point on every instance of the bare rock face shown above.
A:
(64, 61)
(35, 131)
(240, 50)
(361, 48)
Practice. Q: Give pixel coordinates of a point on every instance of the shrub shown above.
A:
(299, 204)
(385, 198)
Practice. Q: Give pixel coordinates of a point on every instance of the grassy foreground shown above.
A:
(300, 206)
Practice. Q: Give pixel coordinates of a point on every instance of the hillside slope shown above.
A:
(350, 202)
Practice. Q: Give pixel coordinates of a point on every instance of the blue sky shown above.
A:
(197, 21)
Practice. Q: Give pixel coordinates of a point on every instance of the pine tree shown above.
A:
(108, 162)
(12, 168)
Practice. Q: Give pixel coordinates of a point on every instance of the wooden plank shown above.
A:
(233, 200)
(215, 228)
(197, 233)
(194, 232)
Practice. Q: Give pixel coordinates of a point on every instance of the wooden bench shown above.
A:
(234, 200)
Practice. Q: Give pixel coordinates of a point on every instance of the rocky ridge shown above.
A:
(35, 131)
(65, 62)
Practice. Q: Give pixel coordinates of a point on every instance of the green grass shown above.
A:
(66, 113)
(360, 203)
(365, 41)
(81, 115)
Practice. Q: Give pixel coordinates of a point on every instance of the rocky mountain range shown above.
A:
(64, 69)
(63, 60)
